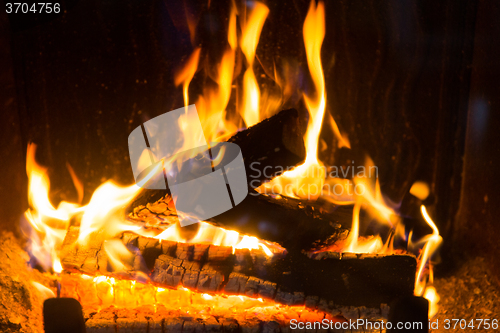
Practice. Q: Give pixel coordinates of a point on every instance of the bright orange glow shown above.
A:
(102, 291)
(44, 291)
(420, 190)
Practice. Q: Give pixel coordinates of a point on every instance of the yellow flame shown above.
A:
(306, 181)
(44, 291)
(432, 296)
(49, 224)
(211, 105)
(423, 285)
(209, 234)
(251, 30)
(366, 194)
(185, 75)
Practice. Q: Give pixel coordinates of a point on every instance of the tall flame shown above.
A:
(49, 224)
(306, 180)
(251, 30)
(185, 75)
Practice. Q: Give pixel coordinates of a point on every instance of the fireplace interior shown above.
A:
(313, 93)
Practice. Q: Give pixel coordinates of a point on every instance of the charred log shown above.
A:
(295, 224)
(268, 148)
(348, 279)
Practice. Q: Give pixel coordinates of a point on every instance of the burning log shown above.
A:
(268, 148)
(357, 279)
(295, 224)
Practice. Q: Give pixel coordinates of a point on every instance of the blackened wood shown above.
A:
(268, 149)
(352, 280)
(295, 224)
(271, 146)
(336, 279)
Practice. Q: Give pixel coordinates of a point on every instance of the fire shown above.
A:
(185, 75)
(100, 292)
(49, 224)
(209, 234)
(423, 285)
(306, 180)
(104, 212)
(211, 104)
(251, 30)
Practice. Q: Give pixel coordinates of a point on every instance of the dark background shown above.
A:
(414, 84)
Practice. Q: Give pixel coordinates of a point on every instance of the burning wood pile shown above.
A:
(279, 255)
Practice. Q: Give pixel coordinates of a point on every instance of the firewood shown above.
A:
(268, 149)
(358, 279)
(174, 319)
(294, 224)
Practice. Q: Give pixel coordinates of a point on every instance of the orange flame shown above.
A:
(306, 180)
(423, 281)
(251, 30)
(209, 234)
(211, 105)
(185, 75)
(49, 224)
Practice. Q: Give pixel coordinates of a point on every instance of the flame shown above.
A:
(209, 234)
(104, 213)
(49, 224)
(44, 291)
(211, 105)
(185, 75)
(306, 180)
(424, 280)
(365, 193)
(251, 30)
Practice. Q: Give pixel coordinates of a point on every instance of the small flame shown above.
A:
(432, 296)
(45, 292)
(368, 195)
(185, 75)
(423, 285)
(57, 267)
